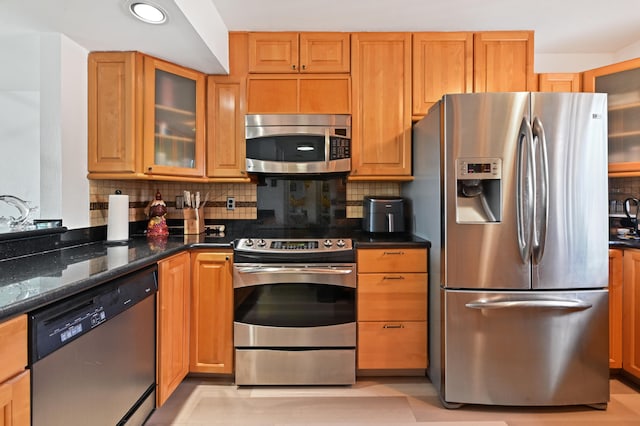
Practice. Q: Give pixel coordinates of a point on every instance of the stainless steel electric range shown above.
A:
(295, 311)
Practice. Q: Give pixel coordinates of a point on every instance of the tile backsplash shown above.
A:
(622, 188)
(142, 192)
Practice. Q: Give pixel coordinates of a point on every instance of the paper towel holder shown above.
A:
(117, 242)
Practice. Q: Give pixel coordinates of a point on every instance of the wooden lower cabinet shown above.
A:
(211, 347)
(392, 309)
(631, 313)
(172, 324)
(615, 308)
(15, 394)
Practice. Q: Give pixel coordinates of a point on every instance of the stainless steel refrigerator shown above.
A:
(511, 190)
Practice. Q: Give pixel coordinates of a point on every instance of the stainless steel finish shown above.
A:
(96, 378)
(526, 355)
(577, 235)
(278, 367)
(254, 245)
(323, 125)
(496, 334)
(333, 166)
(249, 335)
(248, 274)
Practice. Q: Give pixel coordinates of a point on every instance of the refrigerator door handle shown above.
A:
(524, 189)
(541, 213)
(570, 304)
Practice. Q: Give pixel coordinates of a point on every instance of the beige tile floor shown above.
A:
(391, 401)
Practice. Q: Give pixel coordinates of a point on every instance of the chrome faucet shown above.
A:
(23, 207)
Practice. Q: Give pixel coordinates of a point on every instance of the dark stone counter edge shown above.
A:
(31, 304)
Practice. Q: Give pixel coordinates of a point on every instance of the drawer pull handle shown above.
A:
(393, 277)
(393, 252)
(393, 326)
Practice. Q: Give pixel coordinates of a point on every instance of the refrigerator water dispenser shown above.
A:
(479, 185)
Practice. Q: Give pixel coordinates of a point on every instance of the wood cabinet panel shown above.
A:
(211, 312)
(225, 136)
(273, 52)
(392, 345)
(307, 52)
(442, 63)
(392, 260)
(631, 313)
(325, 52)
(381, 122)
(392, 296)
(306, 94)
(115, 94)
(15, 401)
(172, 324)
(503, 61)
(615, 308)
(13, 347)
(15, 396)
(559, 82)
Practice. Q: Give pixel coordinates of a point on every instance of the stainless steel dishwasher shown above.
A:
(92, 355)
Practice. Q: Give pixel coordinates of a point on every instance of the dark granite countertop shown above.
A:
(30, 279)
(622, 243)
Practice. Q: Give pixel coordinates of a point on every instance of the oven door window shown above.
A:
(295, 305)
(287, 148)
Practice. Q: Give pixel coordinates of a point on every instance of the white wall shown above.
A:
(43, 126)
(20, 120)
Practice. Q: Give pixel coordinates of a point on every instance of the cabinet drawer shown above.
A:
(392, 260)
(392, 345)
(399, 297)
(13, 347)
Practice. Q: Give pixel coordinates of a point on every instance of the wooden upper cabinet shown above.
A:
(292, 52)
(559, 82)
(225, 135)
(503, 61)
(381, 96)
(620, 82)
(115, 89)
(305, 94)
(174, 119)
(442, 63)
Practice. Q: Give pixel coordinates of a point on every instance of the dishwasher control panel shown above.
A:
(62, 322)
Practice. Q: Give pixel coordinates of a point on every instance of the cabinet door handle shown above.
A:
(393, 253)
(393, 277)
(304, 67)
(393, 326)
(293, 67)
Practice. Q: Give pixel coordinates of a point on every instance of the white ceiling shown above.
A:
(193, 33)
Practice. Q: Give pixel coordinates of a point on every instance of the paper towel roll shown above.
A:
(118, 218)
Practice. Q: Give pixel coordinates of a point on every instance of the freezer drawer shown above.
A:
(526, 348)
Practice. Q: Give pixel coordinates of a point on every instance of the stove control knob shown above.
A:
(341, 243)
(248, 242)
(261, 243)
(327, 243)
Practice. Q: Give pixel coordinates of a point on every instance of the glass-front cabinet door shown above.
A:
(174, 117)
(621, 82)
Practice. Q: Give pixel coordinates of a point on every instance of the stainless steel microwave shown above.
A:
(298, 143)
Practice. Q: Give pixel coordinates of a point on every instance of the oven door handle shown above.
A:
(288, 270)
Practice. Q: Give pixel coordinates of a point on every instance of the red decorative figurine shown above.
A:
(157, 226)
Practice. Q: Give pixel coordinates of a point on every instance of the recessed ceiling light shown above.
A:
(148, 13)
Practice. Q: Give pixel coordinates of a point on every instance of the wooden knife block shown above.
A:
(193, 225)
